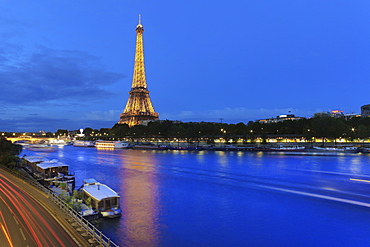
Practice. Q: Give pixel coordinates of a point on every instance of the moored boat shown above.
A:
(58, 142)
(228, 148)
(287, 148)
(23, 142)
(345, 149)
(149, 146)
(81, 143)
(40, 147)
(188, 148)
(50, 172)
(364, 150)
(102, 198)
(111, 144)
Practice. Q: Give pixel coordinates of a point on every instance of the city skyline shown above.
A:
(69, 65)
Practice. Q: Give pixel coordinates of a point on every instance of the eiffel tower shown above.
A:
(139, 106)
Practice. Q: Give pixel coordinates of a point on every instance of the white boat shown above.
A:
(103, 199)
(111, 144)
(40, 147)
(23, 142)
(287, 148)
(347, 149)
(149, 146)
(58, 142)
(80, 143)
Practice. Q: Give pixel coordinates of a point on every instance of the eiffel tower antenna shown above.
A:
(139, 106)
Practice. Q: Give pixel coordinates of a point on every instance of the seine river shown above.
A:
(216, 198)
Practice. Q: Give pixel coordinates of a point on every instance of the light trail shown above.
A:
(5, 230)
(6, 235)
(37, 222)
(31, 215)
(360, 180)
(25, 223)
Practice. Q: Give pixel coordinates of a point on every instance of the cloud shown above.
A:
(110, 115)
(106, 119)
(37, 123)
(233, 115)
(51, 117)
(53, 75)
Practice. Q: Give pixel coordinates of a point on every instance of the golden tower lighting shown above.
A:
(139, 106)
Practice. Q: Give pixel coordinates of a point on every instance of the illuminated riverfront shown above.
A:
(282, 82)
(216, 198)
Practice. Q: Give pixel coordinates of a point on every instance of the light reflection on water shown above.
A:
(139, 200)
(179, 198)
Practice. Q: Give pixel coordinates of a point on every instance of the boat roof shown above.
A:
(50, 164)
(108, 141)
(34, 159)
(90, 181)
(99, 191)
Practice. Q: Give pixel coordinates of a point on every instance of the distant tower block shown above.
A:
(139, 106)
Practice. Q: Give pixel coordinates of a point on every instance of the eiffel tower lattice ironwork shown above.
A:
(139, 106)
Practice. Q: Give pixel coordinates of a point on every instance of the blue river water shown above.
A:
(216, 198)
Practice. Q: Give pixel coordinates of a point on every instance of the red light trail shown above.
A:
(39, 227)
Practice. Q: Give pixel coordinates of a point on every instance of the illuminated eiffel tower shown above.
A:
(139, 106)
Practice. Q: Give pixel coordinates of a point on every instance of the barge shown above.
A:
(50, 172)
(101, 198)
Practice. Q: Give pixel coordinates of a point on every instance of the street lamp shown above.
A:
(353, 131)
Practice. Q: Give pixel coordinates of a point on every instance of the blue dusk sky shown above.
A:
(69, 64)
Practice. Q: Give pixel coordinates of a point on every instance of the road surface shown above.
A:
(24, 222)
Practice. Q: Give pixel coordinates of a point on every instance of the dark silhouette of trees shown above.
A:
(8, 152)
(317, 127)
(328, 127)
(119, 130)
(8, 147)
(61, 132)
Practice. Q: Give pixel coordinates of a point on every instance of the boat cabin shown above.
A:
(50, 172)
(50, 169)
(102, 197)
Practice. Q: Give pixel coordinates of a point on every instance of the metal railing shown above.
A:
(97, 235)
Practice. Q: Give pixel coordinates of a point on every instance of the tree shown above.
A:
(119, 130)
(328, 127)
(88, 131)
(61, 132)
(7, 147)
(362, 131)
(8, 160)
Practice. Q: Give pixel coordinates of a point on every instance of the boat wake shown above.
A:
(331, 198)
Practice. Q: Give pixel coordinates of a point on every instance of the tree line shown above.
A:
(317, 127)
(8, 152)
